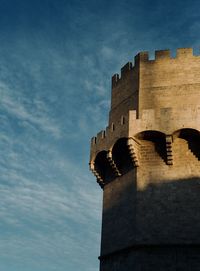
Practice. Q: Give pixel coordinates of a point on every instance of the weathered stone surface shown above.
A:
(147, 162)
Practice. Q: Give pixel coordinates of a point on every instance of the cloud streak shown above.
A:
(28, 112)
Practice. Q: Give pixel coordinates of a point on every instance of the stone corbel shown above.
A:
(100, 180)
(112, 164)
(169, 152)
(133, 148)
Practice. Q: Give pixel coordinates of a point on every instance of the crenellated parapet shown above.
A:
(166, 120)
(156, 83)
(182, 54)
(152, 127)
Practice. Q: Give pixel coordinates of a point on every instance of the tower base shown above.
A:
(153, 258)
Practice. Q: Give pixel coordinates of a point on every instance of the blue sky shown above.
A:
(56, 62)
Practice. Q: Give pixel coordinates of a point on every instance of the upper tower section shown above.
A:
(125, 89)
(160, 95)
(154, 84)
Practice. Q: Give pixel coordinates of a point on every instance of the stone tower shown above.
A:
(147, 163)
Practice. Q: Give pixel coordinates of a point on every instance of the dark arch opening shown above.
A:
(121, 156)
(159, 140)
(192, 136)
(103, 167)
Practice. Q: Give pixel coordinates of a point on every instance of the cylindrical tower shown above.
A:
(147, 163)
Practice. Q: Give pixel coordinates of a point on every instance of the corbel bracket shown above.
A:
(169, 153)
(100, 180)
(133, 147)
(112, 164)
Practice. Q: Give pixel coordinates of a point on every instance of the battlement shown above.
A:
(182, 54)
(129, 124)
(165, 122)
(105, 138)
(154, 83)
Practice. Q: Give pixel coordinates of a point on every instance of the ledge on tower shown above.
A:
(126, 68)
(184, 52)
(93, 140)
(101, 135)
(141, 57)
(162, 54)
(124, 71)
(115, 79)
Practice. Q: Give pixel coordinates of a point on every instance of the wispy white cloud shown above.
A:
(43, 194)
(33, 112)
(48, 201)
(47, 211)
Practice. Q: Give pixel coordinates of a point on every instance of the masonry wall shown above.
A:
(153, 258)
(151, 214)
(124, 95)
(169, 82)
(153, 84)
(168, 202)
(118, 221)
(148, 163)
(155, 203)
